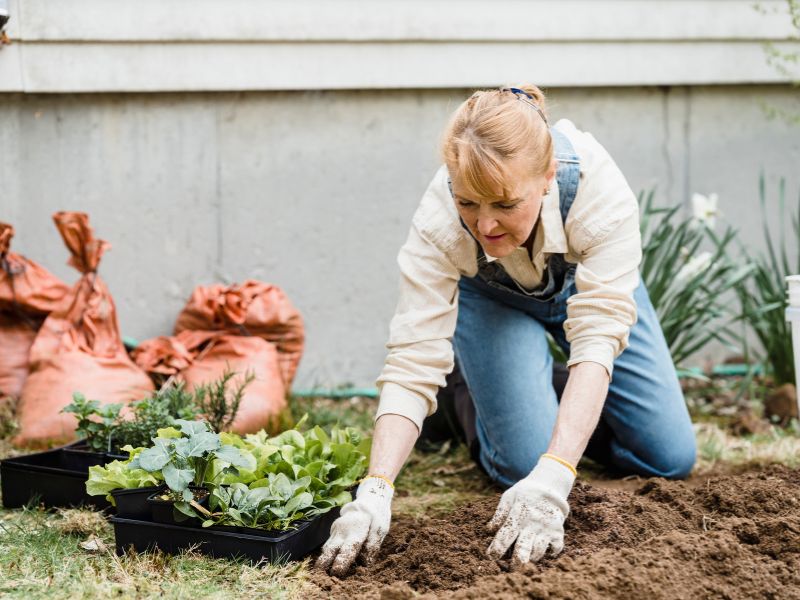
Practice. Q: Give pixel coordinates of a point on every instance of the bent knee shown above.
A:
(677, 463)
(512, 464)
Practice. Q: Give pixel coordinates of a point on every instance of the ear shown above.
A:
(551, 172)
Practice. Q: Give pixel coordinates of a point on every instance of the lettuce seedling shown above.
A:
(274, 505)
(119, 475)
(298, 475)
(187, 460)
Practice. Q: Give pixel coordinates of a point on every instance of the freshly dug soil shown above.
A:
(734, 536)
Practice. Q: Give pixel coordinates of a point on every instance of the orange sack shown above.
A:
(78, 348)
(253, 308)
(28, 293)
(201, 357)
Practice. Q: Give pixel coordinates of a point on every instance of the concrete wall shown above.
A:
(314, 191)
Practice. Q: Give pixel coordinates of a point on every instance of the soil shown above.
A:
(732, 536)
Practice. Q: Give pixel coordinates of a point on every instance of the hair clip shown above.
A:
(528, 99)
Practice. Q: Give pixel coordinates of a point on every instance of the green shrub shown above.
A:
(763, 299)
(686, 283)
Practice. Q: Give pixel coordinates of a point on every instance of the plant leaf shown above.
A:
(177, 479)
(236, 457)
(199, 444)
(154, 459)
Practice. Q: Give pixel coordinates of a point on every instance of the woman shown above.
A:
(527, 229)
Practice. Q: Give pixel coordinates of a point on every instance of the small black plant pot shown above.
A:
(163, 511)
(133, 504)
(221, 542)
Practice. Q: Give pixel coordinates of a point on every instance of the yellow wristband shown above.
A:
(386, 479)
(562, 461)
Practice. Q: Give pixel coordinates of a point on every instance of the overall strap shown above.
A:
(568, 171)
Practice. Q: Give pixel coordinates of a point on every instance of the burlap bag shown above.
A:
(253, 308)
(28, 293)
(78, 348)
(201, 357)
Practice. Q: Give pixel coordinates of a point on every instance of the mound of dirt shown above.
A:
(734, 536)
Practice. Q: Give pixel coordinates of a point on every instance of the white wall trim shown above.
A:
(220, 45)
(400, 20)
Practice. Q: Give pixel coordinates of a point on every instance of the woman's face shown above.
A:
(503, 224)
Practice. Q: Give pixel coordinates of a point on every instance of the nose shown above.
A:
(486, 225)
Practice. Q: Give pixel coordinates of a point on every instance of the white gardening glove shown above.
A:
(532, 513)
(363, 522)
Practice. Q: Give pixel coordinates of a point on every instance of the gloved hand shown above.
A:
(363, 522)
(532, 512)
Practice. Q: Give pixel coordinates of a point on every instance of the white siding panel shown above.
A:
(215, 45)
(10, 69)
(223, 66)
(401, 20)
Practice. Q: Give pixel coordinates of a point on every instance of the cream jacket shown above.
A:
(601, 235)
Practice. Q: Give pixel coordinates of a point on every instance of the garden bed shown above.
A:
(731, 536)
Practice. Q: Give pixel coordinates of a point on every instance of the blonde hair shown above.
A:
(491, 128)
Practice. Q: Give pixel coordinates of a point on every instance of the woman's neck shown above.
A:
(529, 242)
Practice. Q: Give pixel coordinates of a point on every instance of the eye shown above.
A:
(466, 204)
(507, 206)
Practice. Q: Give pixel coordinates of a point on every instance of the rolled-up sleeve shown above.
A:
(420, 341)
(605, 232)
(601, 314)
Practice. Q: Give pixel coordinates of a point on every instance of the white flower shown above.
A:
(696, 265)
(705, 209)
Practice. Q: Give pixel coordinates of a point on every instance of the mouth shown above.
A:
(494, 238)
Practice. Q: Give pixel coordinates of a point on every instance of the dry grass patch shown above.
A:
(80, 522)
(718, 447)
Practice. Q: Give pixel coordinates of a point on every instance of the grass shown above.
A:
(439, 482)
(46, 555)
(70, 553)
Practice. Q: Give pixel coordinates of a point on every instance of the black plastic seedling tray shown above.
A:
(244, 543)
(81, 457)
(132, 503)
(53, 478)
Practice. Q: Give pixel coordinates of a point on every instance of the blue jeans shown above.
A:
(502, 351)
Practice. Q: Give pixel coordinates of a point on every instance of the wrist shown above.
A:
(378, 476)
(554, 476)
(560, 460)
(375, 487)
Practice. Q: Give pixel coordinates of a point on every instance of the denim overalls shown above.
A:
(501, 349)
